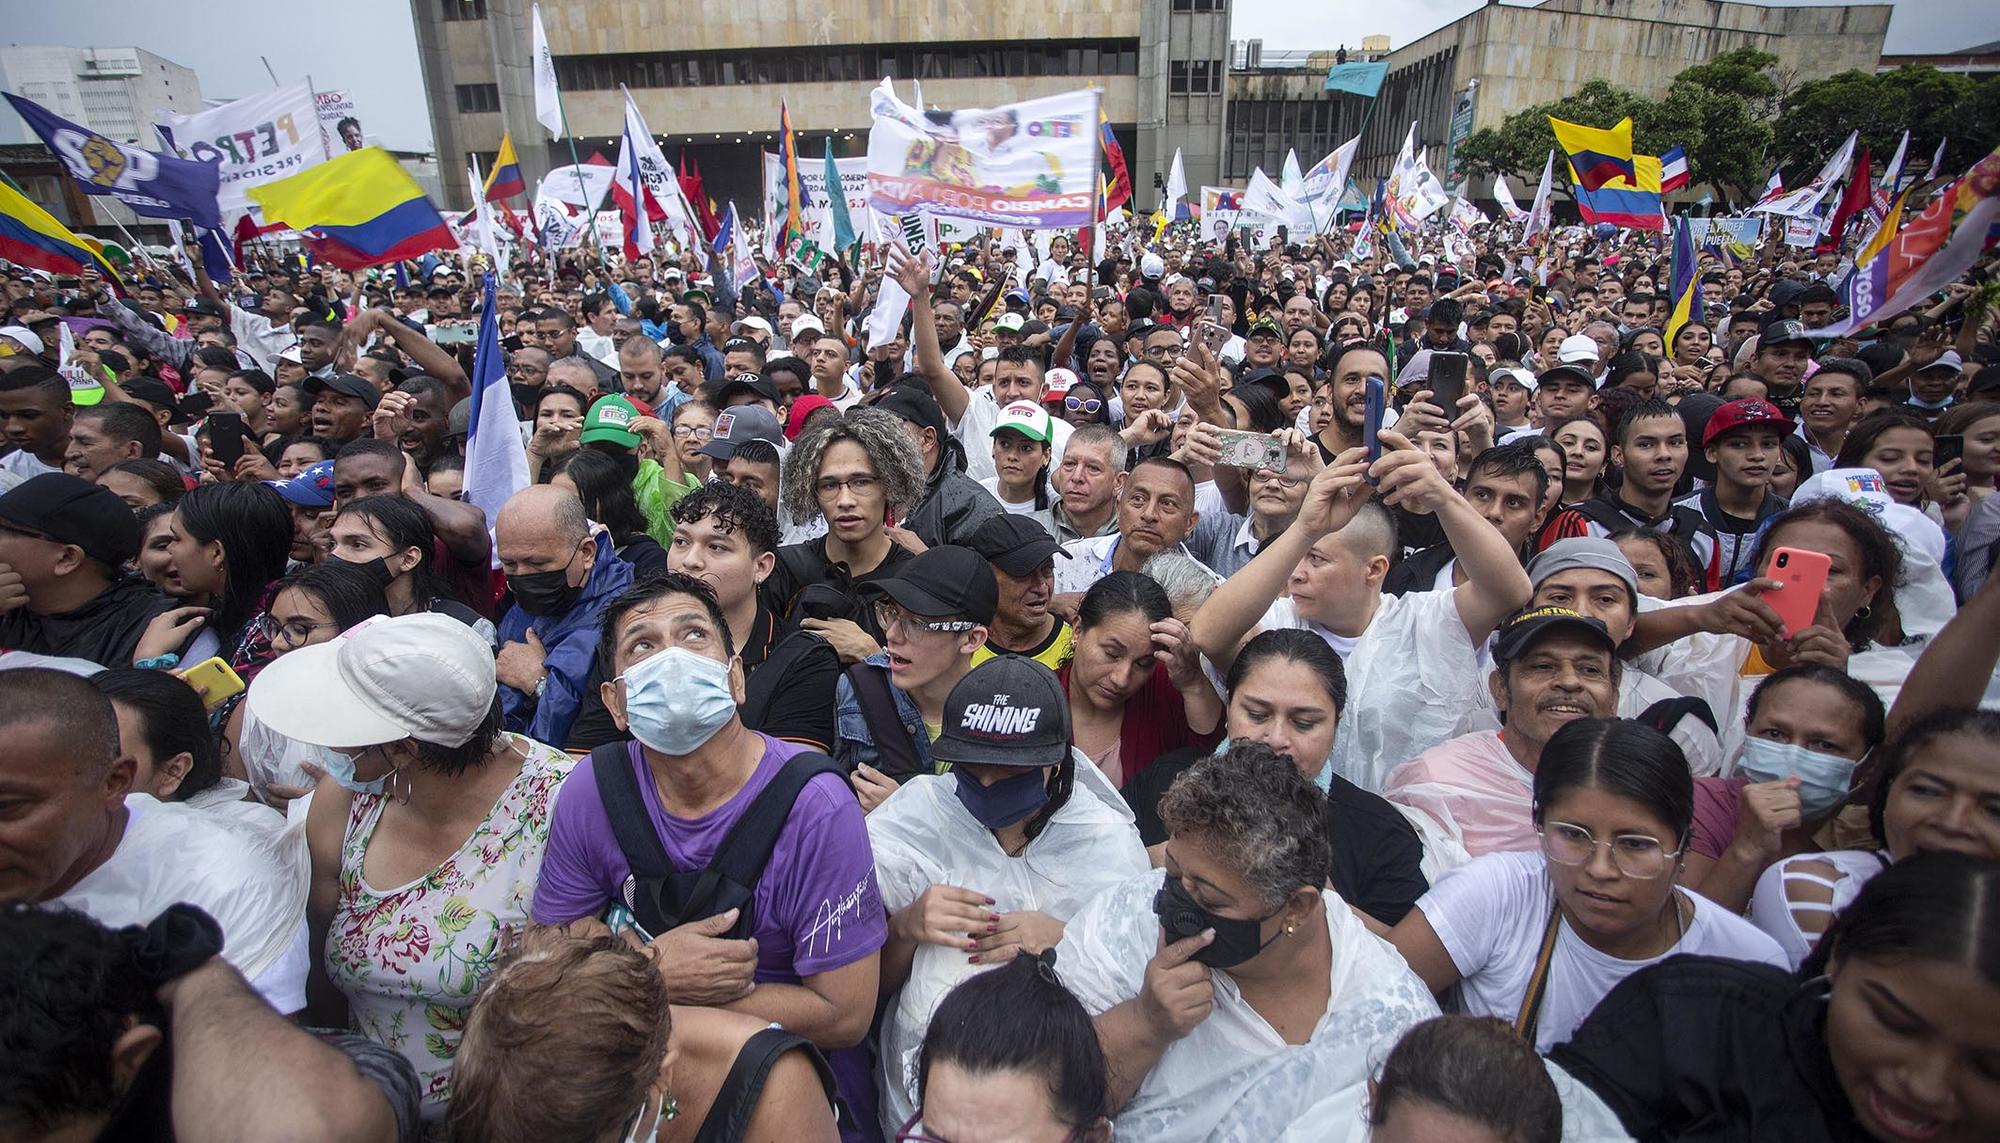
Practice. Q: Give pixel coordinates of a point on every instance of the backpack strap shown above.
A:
(895, 754)
(625, 807)
(1602, 513)
(744, 853)
(1666, 714)
(1529, 1018)
(728, 1117)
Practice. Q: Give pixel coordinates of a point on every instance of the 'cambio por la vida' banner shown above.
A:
(1028, 166)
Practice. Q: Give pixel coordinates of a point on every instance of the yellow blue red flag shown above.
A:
(358, 210)
(1596, 154)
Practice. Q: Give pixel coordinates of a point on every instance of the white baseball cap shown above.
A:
(423, 676)
(1525, 378)
(1057, 382)
(1151, 266)
(807, 323)
(756, 323)
(1577, 349)
(1028, 419)
(24, 337)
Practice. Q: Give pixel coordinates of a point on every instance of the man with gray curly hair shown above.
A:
(858, 471)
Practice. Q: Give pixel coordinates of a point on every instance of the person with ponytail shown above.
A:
(1890, 1031)
(988, 860)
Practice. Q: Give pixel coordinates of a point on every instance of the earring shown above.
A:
(1864, 612)
(1291, 927)
(397, 786)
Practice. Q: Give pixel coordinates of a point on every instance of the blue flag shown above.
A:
(496, 460)
(1363, 79)
(152, 183)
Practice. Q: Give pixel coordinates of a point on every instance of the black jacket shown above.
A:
(954, 504)
(1703, 1048)
(105, 631)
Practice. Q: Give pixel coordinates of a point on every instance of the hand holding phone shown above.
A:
(225, 438)
(1447, 380)
(214, 681)
(1801, 577)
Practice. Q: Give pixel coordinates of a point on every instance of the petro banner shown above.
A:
(1031, 166)
(259, 139)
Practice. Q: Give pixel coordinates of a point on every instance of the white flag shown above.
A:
(482, 220)
(582, 185)
(1799, 203)
(1504, 195)
(1291, 178)
(1176, 182)
(1326, 181)
(1538, 214)
(548, 102)
(1263, 196)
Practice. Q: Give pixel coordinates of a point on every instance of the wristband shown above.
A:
(166, 662)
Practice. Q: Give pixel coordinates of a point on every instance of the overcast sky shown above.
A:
(368, 48)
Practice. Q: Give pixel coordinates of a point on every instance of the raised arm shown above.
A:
(1333, 498)
(1495, 583)
(428, 355)
(1954, 669)
(912, 273)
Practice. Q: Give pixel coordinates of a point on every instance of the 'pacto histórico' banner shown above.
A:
(1029, 166)
(259, 139)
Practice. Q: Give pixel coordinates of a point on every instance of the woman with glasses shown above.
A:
(311, 605)
(1235, 996)
(1891, 1031)
(1537, 939)
(1011, 1057)
(1085, 403)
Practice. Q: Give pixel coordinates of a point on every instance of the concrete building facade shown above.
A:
(113, 91)
(709, 83)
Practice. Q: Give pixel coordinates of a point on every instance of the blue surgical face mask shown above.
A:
(1323, 779)
(340, 767)
(1824, 779)
(677, 700)
(1004, 802)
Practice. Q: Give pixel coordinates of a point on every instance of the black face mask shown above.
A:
(379, 568)
(546, 592)
(1181, 917)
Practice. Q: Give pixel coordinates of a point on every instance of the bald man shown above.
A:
(561, 575)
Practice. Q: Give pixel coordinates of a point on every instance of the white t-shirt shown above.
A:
(974, 431)
(1490, 915)
(251, 878)
(1022, 508)
(24, 465)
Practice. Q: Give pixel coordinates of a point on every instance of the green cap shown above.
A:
(610, 419)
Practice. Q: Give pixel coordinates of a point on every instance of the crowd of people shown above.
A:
(1171, 691)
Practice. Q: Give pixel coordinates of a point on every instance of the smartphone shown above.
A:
(454, 333)
(1215, 308)
(225, 438)
(1949, 447)
(1252, 450)
(214, 681)
(1214, 335)
(1801, 576)
(1371, 420)
(1447, 380)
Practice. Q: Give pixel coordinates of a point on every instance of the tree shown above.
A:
(1523, 139)
(1930, 103)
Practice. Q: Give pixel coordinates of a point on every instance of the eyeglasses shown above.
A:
(698, 432)
(888, 615)
(1165, 350)
(913, 1131)
(1635, 854)
(295, 631)
(829, 487)
(1082, 404)
(1266, 476)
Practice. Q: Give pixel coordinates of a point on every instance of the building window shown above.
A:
(455, 10)
(475, 97)
(1205, 77)
(1177, 78)
(833, 65)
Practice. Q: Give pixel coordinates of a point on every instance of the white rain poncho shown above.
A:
(924, 836)
(1233, 1077)
(251, 875)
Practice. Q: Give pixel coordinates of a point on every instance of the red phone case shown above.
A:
(1802, 578)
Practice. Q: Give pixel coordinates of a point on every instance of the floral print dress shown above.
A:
(411, 958)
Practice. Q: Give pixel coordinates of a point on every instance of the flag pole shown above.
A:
(576, 168)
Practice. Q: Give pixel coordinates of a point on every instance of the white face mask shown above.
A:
(340, 767)
(677, 700)
(1824, 779)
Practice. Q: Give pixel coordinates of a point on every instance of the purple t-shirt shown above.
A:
(817, 906)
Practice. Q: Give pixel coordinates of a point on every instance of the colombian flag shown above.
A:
(1630, 203)
(1597, 155)
(358, 210)
(504, 180)
(30, 236)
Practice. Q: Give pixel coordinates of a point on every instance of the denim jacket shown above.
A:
(854, 745)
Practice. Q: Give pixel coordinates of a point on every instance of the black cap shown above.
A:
(1014, 543)
(915, 406)
(71, 510)
(1522, 630)
(741, 343)
(346, 385)
(757, 383)
(203, 306)
(945, 580)
(1007, 711)
(151, 390)
(1779, 332)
